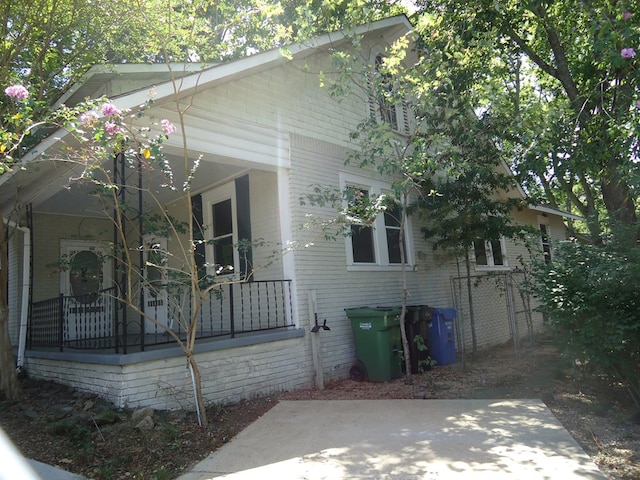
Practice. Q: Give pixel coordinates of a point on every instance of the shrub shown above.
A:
(592, 296)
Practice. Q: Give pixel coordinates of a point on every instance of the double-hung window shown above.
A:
(373, 242)
(222, 230)
(362, 232)
(490, 253)
(221, 233)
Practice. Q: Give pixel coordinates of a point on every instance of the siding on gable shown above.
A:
(248, 117)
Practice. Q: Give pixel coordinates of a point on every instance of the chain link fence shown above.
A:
(503, 311)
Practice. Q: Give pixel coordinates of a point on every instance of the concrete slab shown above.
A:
(48, 472)
(401, 439)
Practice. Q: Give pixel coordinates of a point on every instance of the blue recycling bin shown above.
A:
(442, 340)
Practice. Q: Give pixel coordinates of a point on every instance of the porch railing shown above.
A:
(102, 322)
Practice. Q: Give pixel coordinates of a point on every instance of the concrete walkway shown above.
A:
(402, 439)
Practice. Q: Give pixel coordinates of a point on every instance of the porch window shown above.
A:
(222, 225)
(375, 243)
(226, 223)
(220, 230)
(85, 275)
(490, 253)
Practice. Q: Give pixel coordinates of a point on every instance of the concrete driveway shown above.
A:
(402, 439)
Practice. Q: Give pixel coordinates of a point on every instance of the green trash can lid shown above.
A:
(371, 311)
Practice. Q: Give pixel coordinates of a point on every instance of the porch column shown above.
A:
(286, 235)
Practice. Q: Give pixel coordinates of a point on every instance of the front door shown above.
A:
(85, 277)
(155, 285)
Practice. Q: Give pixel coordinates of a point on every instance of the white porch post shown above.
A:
(286, 235)
(26, 282)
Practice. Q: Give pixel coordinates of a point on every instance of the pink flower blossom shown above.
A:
(628, 53)
(112, 128)
(167, 127)
(638, 104)
(109, 109)
(17, 91)
(626, 15)
(88, 118)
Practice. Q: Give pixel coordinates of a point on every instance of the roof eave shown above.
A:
(553, 211)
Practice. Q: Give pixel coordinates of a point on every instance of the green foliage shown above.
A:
(78, 434)
(560, 96)
(107, 417)
(590, 293)
(425, 364)
(472, 196)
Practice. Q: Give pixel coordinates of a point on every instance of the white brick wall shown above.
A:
(227, 375)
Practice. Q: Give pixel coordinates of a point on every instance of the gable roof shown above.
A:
(198, 76)
(36, 185)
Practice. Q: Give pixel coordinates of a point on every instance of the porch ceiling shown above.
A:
(51, 188)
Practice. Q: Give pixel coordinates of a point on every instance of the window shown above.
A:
(219, 215)
(375, 243)
(545, 240)
(489, 253)
(222, 218)
(382, 104)
(222, 230)
(392, 227)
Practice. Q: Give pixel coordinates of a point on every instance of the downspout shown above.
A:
(26, 282)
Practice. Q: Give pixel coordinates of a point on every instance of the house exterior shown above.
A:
(264, 131)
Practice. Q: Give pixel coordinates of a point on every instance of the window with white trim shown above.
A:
(221, 232)
(382, 105)
(375, 243)
(490, 253)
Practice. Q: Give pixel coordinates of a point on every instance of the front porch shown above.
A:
(102, 323)
(246, 366)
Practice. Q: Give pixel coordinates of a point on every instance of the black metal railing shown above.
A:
(91, 322)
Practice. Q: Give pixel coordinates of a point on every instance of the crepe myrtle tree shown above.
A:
(100, 131)
(109, 131)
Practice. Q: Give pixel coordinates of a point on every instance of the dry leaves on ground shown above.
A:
(85, 435)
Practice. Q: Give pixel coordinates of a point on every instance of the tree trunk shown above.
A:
(618, 200)
(196, 380)
(8, 378)
(408, 380)
(472, 320)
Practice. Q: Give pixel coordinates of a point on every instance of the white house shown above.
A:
(264, 130)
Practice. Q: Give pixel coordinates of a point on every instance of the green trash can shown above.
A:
(378, 343)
